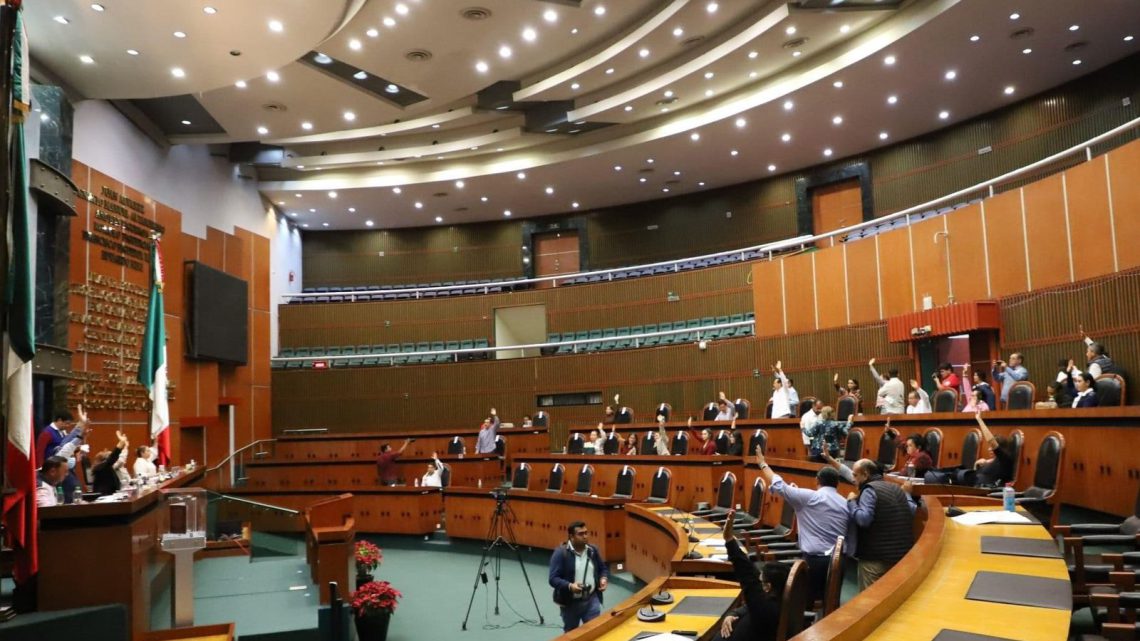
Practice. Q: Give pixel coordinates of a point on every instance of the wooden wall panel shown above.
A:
(930, 260)
(259, 277)
(895, 272)
(1048, 237)
(1090, 229)
(968, 253)
(831, 289)
(799, 293)
(862, 281)
(1123, 168)
(1006, 246)
(212, 250)
(768, 297)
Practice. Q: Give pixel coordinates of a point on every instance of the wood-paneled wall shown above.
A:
(198, 428)
(715, 291)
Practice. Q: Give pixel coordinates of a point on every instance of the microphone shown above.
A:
(649, 614)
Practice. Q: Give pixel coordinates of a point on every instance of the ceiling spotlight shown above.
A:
(1027, 51)
(883, 135)
(600, 10)
(240, 84)
(302, 167)
(521, 175)
(369, 223)
(549, 191)
(797, 53)
(439, 219)
(837, 120)
(263, 130)
(396, 190)
(481, 67)
(574, 204)
(352, 210)
(360, 75)
(892, 99)
(734, 153)
(644, 53)
(1128, 38)
(789, 105)
(322, 59)
(617, 167)
(550, 15)
(355, 44)
(332, 194)
(574, 86)
(349, 116)
(1008, 90)
(786, 137)
(389, 21)
(943, 115)
(1076, 62)
(207, 10)
(272, 76)
(676, 172)
(610, 71)
(504, 51)
(276, 26)
(61, 20)
(708, 92)
(324, 224)
(791, 30)
(668, 93)
(838, 84)
(304, 224)
(975, 38)
(133, 52)
(827, 152)
(695, 136)
(701, 184)
(186, 122)
(711, 7)
(629, 107)
(391, 88)
(752, 74)
(740, 123)
(298, 195)
(100, 8)
(402, 9)
(177, 72)
(642, 179)
(529, 34)
(1014, 16)
(418, 205)
(889, 60)
(483, 198)
(649, 160)
(574, 31)
(179, 34)
(950, 75)
(678, 32)
(372, 33)
(86, 59)
(1074, 27)
(709, 75)
(771, 167)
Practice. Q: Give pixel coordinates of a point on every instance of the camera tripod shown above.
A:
(500, 536)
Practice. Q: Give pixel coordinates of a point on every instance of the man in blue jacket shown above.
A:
(579, 576)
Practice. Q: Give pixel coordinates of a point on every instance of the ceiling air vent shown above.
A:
(795, 43)
(275, 107)
(1021, 34)
(645, 170)
(688, 42)
(418, 55)
(666, 101)
(475, 13)
(440, 194)
(1076, 46)
(673, 181)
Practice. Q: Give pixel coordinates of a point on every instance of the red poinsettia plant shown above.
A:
(375, 596)
(368, 557)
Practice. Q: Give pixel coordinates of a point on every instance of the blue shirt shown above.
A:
(821, 515)
(1011, 375)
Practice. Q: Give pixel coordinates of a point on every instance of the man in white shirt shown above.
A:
(144, 466)
(891, 390)
(726, 411)
(434, 475)
(781, 404)
(809, 419)
(51, 474)
(661, 444)
(918, 401)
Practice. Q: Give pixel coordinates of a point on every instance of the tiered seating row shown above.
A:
(899, 223)
(377, 355)
(627, 337)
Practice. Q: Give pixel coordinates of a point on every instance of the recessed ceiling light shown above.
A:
(86, 59)
(701, 184)
(711, 7)
(481, 67)
(883, 135)
(263, 130)
(396, 190)
(418, 205)
(549, 191)
(240, 84)
(209, 11)
(676, 172)
(324, 224)
(708, 92)
(349, 116)
(355, 44)
(771, 167)
(369, 223)
(1128, 38)
(950, 75)
(133, 52)
(179, 34)
(177, 72)
(322, 59)
(664, 110)
(1014, 16)
(1008, 90)
(391, 88)
(791, 30)
(186, 122)
(644, 53)
(304, 224)
(617, 167)
(709, 75)
(827, 152)
(100, 8)
(439, 219)
(507, 213)
(837, 120)
(889, 60)
(741, 123)
(600, 10)
(459, 184)
(789, 105)
(752, 74)
(402, 9)
(649, 160)
(276, 26)
(838, 84)
(797, 54)
(668, 93)
(272, 76)
(529, 34)
(892, 99)
(1027, 51)
(752, 55)
(574, 86)
(574, 31)
(372, 33)
(786, 137)
(665, 189)
(642, 179)
(845, 28)
(944, 115)
(1074, 27)
(360, 75)
(332, 194)
(574, 204)
(389, 21)
(521, 175)
(298, 195)
(550, 15)
(1076, 62)
(609, 71)
(352, 210)
(975, 38)
(629, 107)
(61, 20)
(504, 51)
(678, 32)
(483, 198)
(695, 136)
(734, 153)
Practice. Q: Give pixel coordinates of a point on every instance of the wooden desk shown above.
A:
(348, 475)
(382, 510)
(330, 535)
(695, 478)
(366, 445)
(625, 625)
(540, 518)
(102, 553)
(657, 544)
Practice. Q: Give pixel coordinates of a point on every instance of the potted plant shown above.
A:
(372, 606)
(368, 558)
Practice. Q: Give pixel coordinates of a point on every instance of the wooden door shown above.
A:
(836, 206)
(555, 253)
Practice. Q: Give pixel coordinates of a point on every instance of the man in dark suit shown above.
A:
(579, 576)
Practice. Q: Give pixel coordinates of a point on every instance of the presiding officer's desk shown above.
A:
(103, 553)
(621, 623)
(402, 509)
(366, 445)
(658, 545)
(349, 475)
(539, 518)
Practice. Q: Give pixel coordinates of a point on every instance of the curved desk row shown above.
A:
(340, 475)
(366, 445)
(382, 510)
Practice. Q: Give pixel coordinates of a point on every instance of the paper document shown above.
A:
(665, 636)
(991, 516)
(714, 543)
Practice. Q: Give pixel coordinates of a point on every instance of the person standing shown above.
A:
(882, 514)
(579, 576)
(433, 477)
(144, 466)
(808, 421)
(918, 401)
(891, 391)
(386, 463)
(726, 411)
(488, 432)
(1009, 373)
(1099, 362)
(103, 468)
(781, 400)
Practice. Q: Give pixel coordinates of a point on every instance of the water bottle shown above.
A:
(480, 483)
(1008, 498)
(77, 496)
(58, 495)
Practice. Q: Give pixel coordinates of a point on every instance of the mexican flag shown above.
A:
(152, 360)
(19, 341)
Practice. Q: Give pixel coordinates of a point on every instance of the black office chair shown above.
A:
(624, 416)
(623, 487)
(576, 444)
(554, 484)
(710, 412)
(846, 406)
(971, 445)
(445, 475)
(680, 444)
(455, 446)
(743, 408)
(665, 410)
(933, 437)
(944, 400)
(725, 495)
(521, 480)
(648, 443)
(1109, 390)
(854, 448)
(661, 486)
(500, 445)
(722, 442)
(542, 419)
(611, 445)
(585, 484)
(1021, 396)
(806, 403)
(888, 449)
(1038, 499)
(755, 506)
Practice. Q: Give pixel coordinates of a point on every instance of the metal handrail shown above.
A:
(769, 248)
(239, 451)
(278, 508)
(489, 348)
